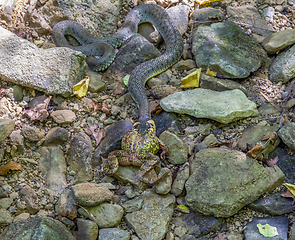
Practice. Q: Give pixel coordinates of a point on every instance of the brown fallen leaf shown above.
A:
(271, 137)
(155, 106)
(10, 166)
(98, 135)
(118, 91)
(255, 152)
(272, 162)
(39, 112)
(221, 236)
(288, 194)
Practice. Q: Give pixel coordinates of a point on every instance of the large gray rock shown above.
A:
(152, 221)
(226, 49)
(223, 181)
(99, 17)
(53, 167)
(287, 134)
(279, 40)
(37, 228)
(224, 107)
(53, 70)
(282, 67)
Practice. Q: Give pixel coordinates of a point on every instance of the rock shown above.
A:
(129, 174)
(113, 233)
(56, 136)
(5, 202)
(273, 204)
(18, 140)
(112, 140)
(105, 13)
(224, 107)
(33, 133)
(290, 104)
(132, 205)
(5, 218)
(29, 196)
(164, 186)
(22, 217)
(53, 166)
(216, 84)
(196, 225)
(132, 53)
(253, 134)
(184, 65)
(233, 177)
(66, 205)
(17, 93)
(63, 116)
(91, 194)
(246, 14)
(279, 40)
(166, 120)
(179, 16)
(251, 232)
(86, 105)
(177, 149)
(233, 55)
(105, 215)
(6, 127)
(181, 177)
(287, 134)
(152, 221)
(207, 14)
(87, 230)
(38, 228)
(79, 157)
(268, 13)
(286, 163)
(269, 109)
(95, 84)
(59, 69)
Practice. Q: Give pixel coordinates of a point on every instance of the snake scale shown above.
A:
(91, 46)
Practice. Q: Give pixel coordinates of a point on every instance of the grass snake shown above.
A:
(91, 46)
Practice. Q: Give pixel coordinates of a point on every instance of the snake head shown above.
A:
(144, 128)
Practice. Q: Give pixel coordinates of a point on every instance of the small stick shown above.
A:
(267, 99)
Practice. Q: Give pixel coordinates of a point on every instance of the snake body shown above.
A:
(93, 46)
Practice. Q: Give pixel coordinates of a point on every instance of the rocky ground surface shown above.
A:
(231, 142)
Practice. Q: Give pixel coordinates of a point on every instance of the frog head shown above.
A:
(147, 128)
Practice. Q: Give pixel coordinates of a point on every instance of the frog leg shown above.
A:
(111, 164)
(150, 161)
(164, 149)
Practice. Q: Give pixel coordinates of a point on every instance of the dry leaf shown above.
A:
(271, 136)
(192, 80)
(288, 194)
(155, 106)
(211, 73)
(80, 89)
(39, 112)
(255, 151)
(98, 135)
(290, 187)
(272, 162)
(118, 91)
(221, 236)
(10, 166)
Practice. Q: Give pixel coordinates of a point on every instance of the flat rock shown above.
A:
(287, 134)
(279, 40)
(223, 181)
(63, 116)
(224, 107)
(37, 228)
(281, 68)
(59, 69)
(113, 233)
(152, 221)
(6, 127)
(56, 136)
(251, 232)
(87, 229)
(246, 14)
(232, 54)
(206, 14)
(53, 166)
(91, 194)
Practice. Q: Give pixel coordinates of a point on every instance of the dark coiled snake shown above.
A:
(91, 46)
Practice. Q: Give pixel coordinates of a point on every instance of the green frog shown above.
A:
(139, 147)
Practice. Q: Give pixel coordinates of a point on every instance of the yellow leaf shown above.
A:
(182, 208)
(267, 230)
(211, 73)
(202, 2)
(81, 87)
(192, 80)
(290, 187)
(126, 80)
(10, 166)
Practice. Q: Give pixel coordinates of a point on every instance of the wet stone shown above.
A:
(273, 205)
(251, 232)
(56, 136)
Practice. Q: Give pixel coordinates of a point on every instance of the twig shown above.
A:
(267, 99)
